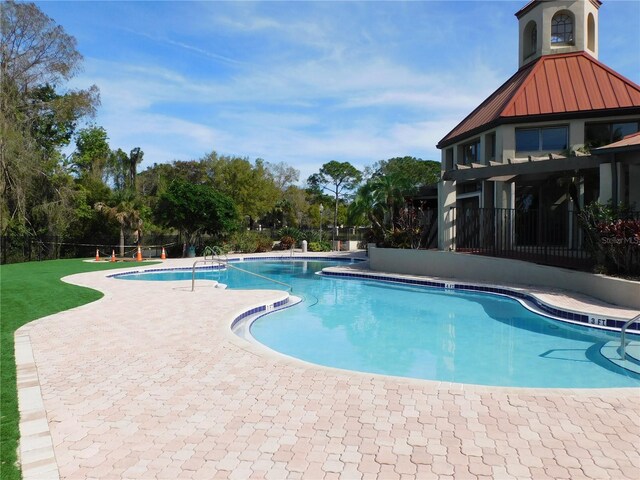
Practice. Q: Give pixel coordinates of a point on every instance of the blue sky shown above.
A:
(303, 82)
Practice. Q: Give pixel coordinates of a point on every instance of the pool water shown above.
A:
(421, 332)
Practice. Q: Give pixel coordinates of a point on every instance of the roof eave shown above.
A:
(533, 3)
(538, 118)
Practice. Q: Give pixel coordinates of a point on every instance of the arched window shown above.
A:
(534, 38)
(530, 39)
(591, 33)
(562, 29)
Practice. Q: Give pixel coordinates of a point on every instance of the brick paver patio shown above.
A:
(149, 382)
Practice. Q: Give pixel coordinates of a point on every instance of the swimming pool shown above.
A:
(419, 332)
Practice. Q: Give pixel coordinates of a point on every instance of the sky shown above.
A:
(303, 82)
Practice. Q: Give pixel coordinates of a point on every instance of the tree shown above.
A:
(382, 197)
(195, 209)
(92, 152)
(251, 186)
(283, 175)
(35, 121)
(135, 159)
(298, 206)
(125, 213)
(117, 169)
(411, 172)
(337, 178)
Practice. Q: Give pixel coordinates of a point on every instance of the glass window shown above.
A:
(554, 138)
(597, 134)
(562, 29)
(550, 139)
(491, 148)
(527, 140)
(534, 39)
(600, 134)
(621, 130)
(449, 159)
(470, 152)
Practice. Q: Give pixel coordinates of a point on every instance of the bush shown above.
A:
(287, 242)
(249, 242)
(292, 232)
(265, 244)
(319, 247)
(312, 236)
(612, 235)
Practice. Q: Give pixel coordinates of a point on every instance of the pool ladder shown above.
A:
(623, 344)
(216, 252)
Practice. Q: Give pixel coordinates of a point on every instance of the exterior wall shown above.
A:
(506, 138)
(500, 271)
(543, 13)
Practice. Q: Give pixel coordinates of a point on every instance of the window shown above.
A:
(534, 39)
(562, 29)
(554, 138)
(530, 38)
(471, 152)
(591, 33)
(542, 139)
(449, 159)
(490, 146)
(599, 134)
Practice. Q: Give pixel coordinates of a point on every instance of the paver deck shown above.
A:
(149, 382)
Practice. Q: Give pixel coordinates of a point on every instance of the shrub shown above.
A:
(312, 236)
(292, 232)
(319, 247)
(287, 242)
(612, 235)
(265, 244)
(250, 242)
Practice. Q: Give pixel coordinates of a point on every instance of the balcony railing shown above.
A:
(552, 237)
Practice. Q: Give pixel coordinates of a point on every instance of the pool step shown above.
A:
(611, 351)
(221, 286)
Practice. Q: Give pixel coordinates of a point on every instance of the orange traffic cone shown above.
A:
(163, 256)
(97, 255)
(113, 255)
(139, 255)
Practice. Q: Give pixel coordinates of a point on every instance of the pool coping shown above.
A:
(521, 294)
(35, 450)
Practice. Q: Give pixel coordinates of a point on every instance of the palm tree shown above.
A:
(125, 215)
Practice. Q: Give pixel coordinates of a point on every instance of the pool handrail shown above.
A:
(226, 263)
(623, 344)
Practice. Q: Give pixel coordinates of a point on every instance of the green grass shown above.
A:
(29, 291)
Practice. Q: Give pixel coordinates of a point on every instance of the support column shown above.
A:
(606, 183)
(504, 201)
(446, 214)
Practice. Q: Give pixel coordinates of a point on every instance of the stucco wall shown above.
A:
(502, 271)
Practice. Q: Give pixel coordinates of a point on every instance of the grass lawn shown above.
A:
(29, 291)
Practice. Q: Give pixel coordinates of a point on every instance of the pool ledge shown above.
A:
(557, 304)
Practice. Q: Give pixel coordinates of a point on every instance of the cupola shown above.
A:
(548, 27)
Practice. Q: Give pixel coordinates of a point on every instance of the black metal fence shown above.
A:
(25, 248)
(553, 237)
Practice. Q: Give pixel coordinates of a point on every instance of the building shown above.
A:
(545, 143)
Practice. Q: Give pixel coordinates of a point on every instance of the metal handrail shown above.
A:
(623, 344)
(228, 265)
(193, 270)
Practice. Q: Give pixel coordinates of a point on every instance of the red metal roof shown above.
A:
(632, 140)
(568, 83)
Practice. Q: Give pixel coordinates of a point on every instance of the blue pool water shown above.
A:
(420, 332)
